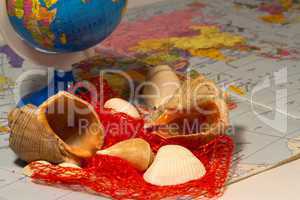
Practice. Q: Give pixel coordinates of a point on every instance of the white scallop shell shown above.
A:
(174, 165)
(122, 106)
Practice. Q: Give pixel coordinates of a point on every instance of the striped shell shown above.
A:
(174, 165)
(63, 129)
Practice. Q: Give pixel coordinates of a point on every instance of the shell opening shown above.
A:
(194, 121)
(74, 122)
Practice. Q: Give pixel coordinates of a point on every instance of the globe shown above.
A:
(64, 26)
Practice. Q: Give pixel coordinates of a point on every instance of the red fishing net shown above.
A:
(96, 91)
(119, 127)
(116, 178)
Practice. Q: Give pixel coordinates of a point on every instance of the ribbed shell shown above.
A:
(30, 140)
(174, 165)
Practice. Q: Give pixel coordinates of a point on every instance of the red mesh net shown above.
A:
(116, 178)
(95, 91)
(119, 127)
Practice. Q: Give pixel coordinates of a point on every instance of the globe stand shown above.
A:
(61, 79)
(60, 82)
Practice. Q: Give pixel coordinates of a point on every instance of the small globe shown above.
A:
(64, 26)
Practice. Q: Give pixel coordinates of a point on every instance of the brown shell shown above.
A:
(192, 92)
(198, 100)
(53, 132)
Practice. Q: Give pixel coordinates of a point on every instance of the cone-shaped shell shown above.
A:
(197, 111)
(161, 86)
(64, 128)
(174, 165)
(136, 151)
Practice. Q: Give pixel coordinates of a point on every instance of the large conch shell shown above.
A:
(174, 165)
(197, 111)
(136, 151)
(63, 129)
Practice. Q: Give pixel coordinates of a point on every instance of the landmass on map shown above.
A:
(14, 59)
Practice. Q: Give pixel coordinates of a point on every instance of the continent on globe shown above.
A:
(13, 59)
(60, 26)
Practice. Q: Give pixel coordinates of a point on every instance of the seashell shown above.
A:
(192, 91)
(136, 151)
(197, 111)
(122, 106)
(71, 165)
(174, 165)
(28, 171)
(161, 86)
(64, 128)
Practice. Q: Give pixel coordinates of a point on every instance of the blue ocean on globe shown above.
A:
(62, 26)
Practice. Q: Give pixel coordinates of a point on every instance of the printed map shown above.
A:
(250, 48)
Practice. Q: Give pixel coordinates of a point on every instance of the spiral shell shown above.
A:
(64, 128)
(161, 86)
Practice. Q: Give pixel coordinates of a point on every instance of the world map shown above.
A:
(249, 48)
